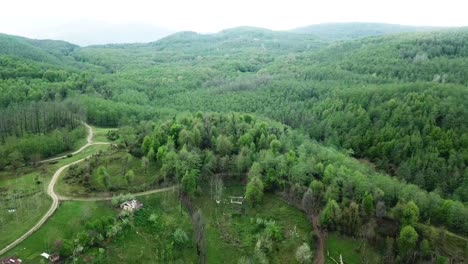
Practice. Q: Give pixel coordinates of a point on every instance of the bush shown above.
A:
(117, 200)
(180, 237)
(304, 254)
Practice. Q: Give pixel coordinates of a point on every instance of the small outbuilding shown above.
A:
(10, 260)
(54, 258)
(131, 206)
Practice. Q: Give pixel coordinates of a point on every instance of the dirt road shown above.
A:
(319, 254)
(94, 199)
(56, 198)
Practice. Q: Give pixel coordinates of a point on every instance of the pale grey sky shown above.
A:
(36, 18)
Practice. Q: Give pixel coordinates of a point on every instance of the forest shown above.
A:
(365, 131)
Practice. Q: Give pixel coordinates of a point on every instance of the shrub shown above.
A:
(180, 237)
(304, 254)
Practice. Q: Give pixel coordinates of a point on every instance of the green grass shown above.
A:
(31, 201)
(21, 192)
(352, 250)
(231, 235)
(69, 219)
(100, 134)
(145, 243)
(114, 162)
(28, 211)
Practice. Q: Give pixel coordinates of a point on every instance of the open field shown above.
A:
(152, 242)
(114, 163)
(100, 134)
(351, 250)
(24, 192)
(231, 234)
(68, 220)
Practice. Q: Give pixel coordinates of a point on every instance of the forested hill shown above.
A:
(348, 31)
(398, 101)
(45, 51)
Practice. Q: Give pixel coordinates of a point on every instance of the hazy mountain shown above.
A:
(344, 31)
(85, 33)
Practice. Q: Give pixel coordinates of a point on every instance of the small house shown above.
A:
(131, 206)
(54, 258)
(10, 260)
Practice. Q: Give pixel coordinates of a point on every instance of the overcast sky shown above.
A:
(34, 18)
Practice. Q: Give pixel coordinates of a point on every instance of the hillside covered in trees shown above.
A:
(354, 124)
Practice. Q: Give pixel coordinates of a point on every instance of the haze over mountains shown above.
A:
(362, 126)
(91, 32)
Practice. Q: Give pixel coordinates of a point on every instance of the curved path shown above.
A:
(89, 142)
(319, 252)
(56, 198)
(94, 199)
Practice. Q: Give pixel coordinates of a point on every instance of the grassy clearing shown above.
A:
(151, 243)
(232, 234)
(100, 134)
(352, 250)
(25, 191)
(28, 210)
(114, 162)
(68, 220)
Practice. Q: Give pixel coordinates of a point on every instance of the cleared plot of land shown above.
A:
(153, 241)
(115, 163)
(68, 220)
(100, 134)
(231, 234)
(23, 194)
(351, 250)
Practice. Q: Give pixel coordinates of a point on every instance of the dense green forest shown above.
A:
(362, 125)
(396, 100)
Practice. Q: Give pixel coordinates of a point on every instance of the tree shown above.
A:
(425, 249)
(223, 145)
(407, 242)
(304, 254)
(407, 214)
(308, 201)
(145, 147)
(380, 209)
(145, 164)
(350, 219)
(275, 146)
(180, 237)
(331, 215)
(126, 160)
(368, 205)
(254, 191)
(410, 214)
(103, 177)
(130, 176)
(255, 171)
(16, 159)
(189, 182)
(151, 154)
(317, 194)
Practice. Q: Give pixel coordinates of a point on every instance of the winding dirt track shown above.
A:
(94, 199)
(56, 198)
(319, 252)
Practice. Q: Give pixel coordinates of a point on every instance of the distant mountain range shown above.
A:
(347, 31)
(86, 33)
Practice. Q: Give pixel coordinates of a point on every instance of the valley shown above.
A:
(344, 143)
